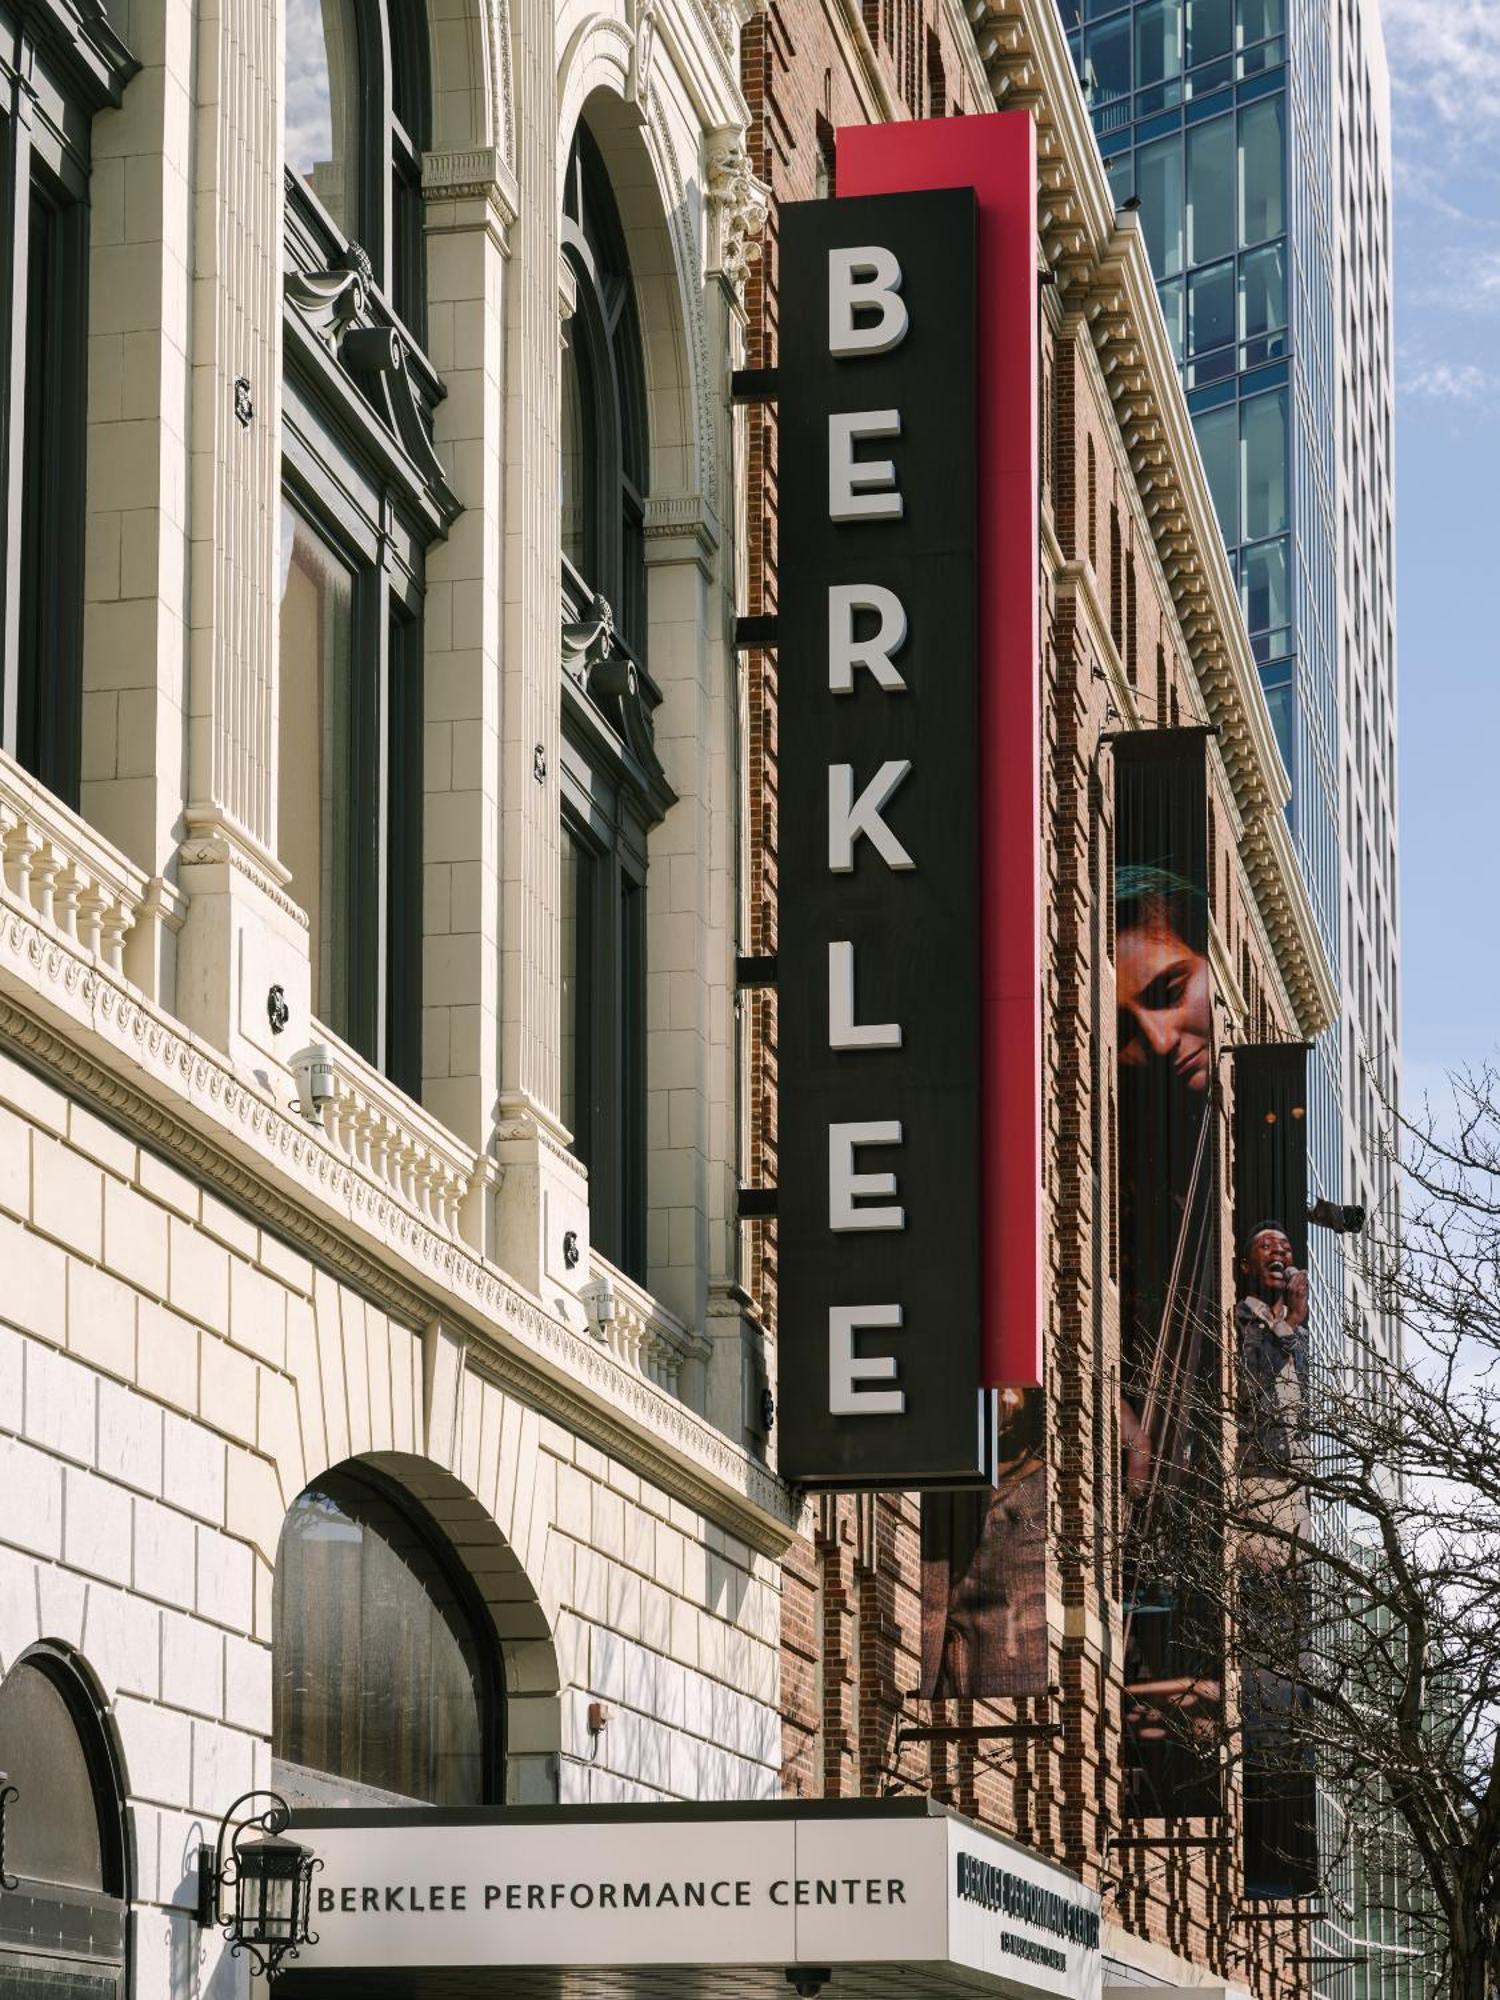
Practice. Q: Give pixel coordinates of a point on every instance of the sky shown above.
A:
(1445, 71)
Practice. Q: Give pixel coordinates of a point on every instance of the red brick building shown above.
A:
(1141, 628)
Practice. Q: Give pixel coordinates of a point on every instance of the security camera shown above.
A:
(1343, 1218)
(313, 1068)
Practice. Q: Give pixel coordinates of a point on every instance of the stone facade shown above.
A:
(210, 1300)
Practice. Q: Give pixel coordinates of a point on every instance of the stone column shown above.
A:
(135, 566)
(243, 933)
(471, 206)
(545, 1196)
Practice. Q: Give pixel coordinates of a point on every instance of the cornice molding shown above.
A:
(84, 1027)
(1103, 272)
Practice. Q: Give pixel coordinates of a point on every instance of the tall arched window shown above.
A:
(364, 497)
(63, 1928)
(614, 790)
(385, 1663)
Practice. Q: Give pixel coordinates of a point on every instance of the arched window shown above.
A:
(364, 496)
(613, 790)
(385, 1664)
(604, 405)
(65, 1836)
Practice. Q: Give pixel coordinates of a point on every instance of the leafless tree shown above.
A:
(1357, 1567)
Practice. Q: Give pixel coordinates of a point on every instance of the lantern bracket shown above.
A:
(221, 1868)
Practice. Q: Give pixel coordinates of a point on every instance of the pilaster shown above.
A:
(242, 933)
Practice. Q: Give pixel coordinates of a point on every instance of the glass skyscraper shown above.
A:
(1252, 139)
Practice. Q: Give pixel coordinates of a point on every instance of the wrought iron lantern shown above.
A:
(8, 1796)
(258, 1891)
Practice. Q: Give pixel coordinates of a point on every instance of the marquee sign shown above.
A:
(908, 989)
(775, 1885)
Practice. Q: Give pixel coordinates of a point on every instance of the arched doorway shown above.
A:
(387, 1681)
(62, 1928)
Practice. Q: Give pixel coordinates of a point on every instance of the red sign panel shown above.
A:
(996, 156)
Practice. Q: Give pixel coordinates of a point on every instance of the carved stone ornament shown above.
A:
(336, 306)
(612, 681)
(643, 22)
(738, 203)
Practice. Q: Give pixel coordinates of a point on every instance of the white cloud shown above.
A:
(1445, 60)
(1450, 382)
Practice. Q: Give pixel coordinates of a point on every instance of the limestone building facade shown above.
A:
(312, 716)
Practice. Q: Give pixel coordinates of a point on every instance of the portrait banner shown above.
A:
(1273, 1322)
(1170, 1348)
(984, 1569)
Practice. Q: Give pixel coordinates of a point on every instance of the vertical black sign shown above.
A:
(879, 1053)
(1171, 1460)
(1273, 1321)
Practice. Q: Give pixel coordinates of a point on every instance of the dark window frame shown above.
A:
(603, 811)
(57, 70)
(350, 470)
(394, 129)
(613, 788)
(350, 506)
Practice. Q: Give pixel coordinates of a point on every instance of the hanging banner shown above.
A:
(1273, 1318)
(1169, 1194)
(984, 1569)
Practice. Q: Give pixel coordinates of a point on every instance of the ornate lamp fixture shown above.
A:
(266, 1883)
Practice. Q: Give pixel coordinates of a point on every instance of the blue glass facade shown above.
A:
(1212, 118)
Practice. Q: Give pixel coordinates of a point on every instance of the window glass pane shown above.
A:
(1211, 313)
(1263, 302)
(577, 908)
(1159, 184)
(378, 1673)
(53, 1831)
(1262, 173)
(49, 662)
(633, 1079)
(1210, 28)
(1158, 44)
(1279, 701)
(1263, 586)
(1107, 60)
(1121, 172)
(575, 467)
(1264, 458)
(1259, 18)
(1210, 191)
(315, 739)
(322, 104)
(1172, 310)
(1218, 441)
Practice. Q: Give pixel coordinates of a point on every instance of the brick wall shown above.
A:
(851, 1595)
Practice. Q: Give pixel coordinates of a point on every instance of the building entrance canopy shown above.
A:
(682, 1900)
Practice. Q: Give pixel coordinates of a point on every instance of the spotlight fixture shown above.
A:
(807, 1981)
(1343, 1218)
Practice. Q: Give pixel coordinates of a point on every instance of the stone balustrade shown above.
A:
(642, 1335)
(71, 881)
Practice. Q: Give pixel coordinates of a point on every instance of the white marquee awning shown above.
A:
(876, 1896)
